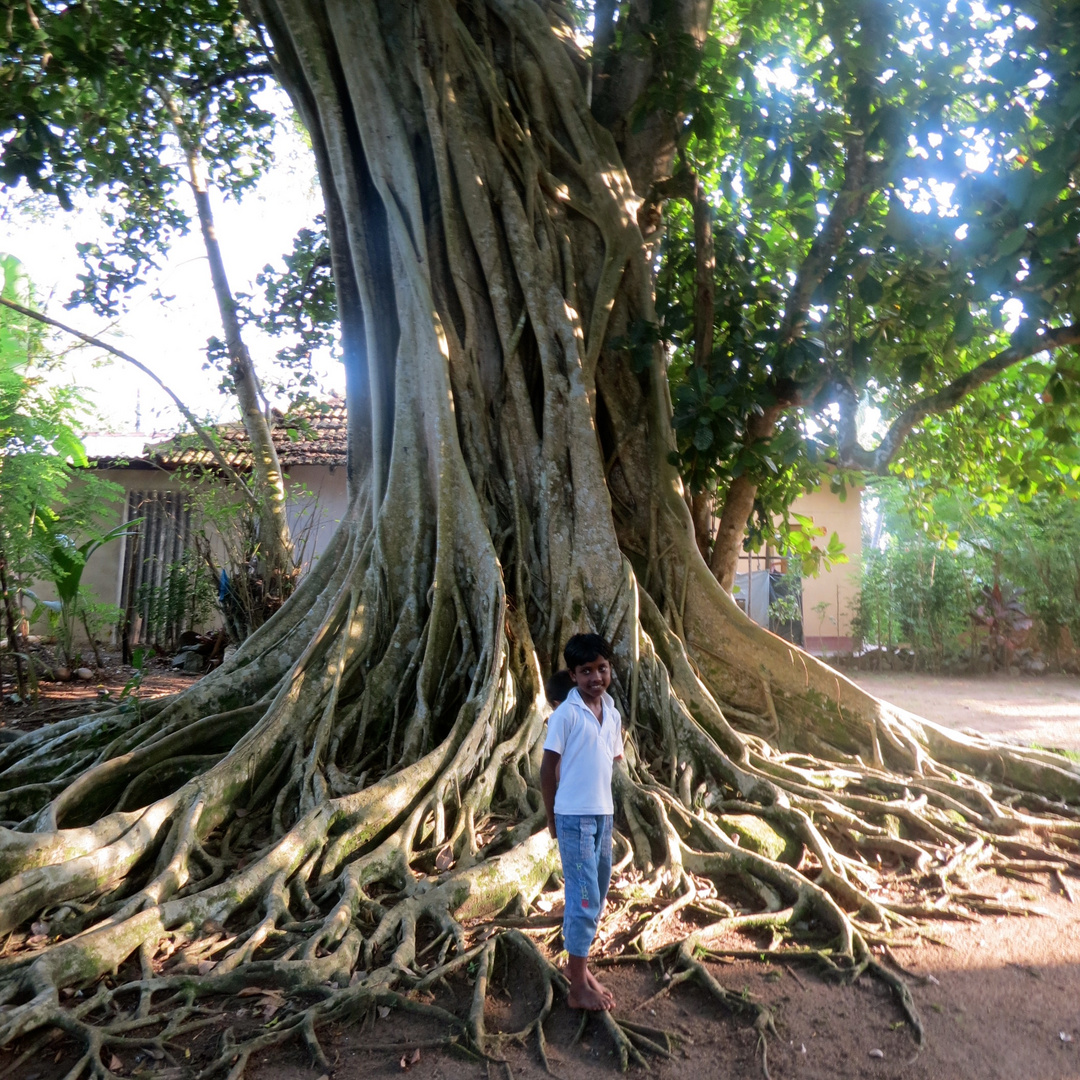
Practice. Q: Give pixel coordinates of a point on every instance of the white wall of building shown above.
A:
(317, 503)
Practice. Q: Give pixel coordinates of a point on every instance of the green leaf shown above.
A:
(911, 367)
(871, 290)
(1012, 242)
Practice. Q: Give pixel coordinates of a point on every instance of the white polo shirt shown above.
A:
(588, 748)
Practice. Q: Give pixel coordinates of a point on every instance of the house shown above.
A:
(162, 486)
(828, 600)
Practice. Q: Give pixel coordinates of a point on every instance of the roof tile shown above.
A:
(314, 435)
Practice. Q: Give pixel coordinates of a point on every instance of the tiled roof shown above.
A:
(314, 435)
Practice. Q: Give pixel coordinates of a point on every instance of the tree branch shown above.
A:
(653, 37)
(686, 184)
(604, 13)
(851, 455)
(206, 438)
(704, 277)
(861, 178)
(849, 203)
(248, 71)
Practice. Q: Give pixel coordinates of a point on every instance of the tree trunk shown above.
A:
(274, 534)
(702, 504)
(738, 506)
(12, 630)
(517, 489)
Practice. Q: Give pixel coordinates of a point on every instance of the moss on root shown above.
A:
(757, 835)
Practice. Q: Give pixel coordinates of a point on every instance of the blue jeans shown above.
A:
(585, 850)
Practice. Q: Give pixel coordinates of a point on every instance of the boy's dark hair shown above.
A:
(558, 686)
(584, 649)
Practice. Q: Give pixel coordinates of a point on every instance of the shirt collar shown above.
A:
(606, 700)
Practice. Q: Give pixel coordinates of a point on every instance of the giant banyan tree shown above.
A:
(310, 811)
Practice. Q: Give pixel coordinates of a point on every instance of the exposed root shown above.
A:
(632, 1041)
(334, 904)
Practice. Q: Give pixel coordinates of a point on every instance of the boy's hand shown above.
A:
(549, 767)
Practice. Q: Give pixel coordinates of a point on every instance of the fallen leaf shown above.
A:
(250, 991)
(240, 813)
(543, 905)
(154, 1052)
(445, 859)
(384, 1011)
(271, 1008)
(415, 1056)
(59, 1055)
(115, 1064)
(206, 966)
(931, 979)
(1064, 1036)
(877, 1053)
(39, 928)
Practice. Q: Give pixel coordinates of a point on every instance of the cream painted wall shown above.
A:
(317, 506)
(839, 586)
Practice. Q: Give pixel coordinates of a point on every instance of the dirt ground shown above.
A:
(1041, 710)
(1004, 1004)
(999, 997)
(59, 700)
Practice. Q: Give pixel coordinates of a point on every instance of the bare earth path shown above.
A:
(1042, 710)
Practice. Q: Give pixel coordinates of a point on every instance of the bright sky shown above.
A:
(169, 336)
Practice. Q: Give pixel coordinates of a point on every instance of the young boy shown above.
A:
(583, 741)
(557, 687)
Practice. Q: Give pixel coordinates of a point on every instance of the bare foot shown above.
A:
(585, 997)
(600, 988)
(592, 981)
